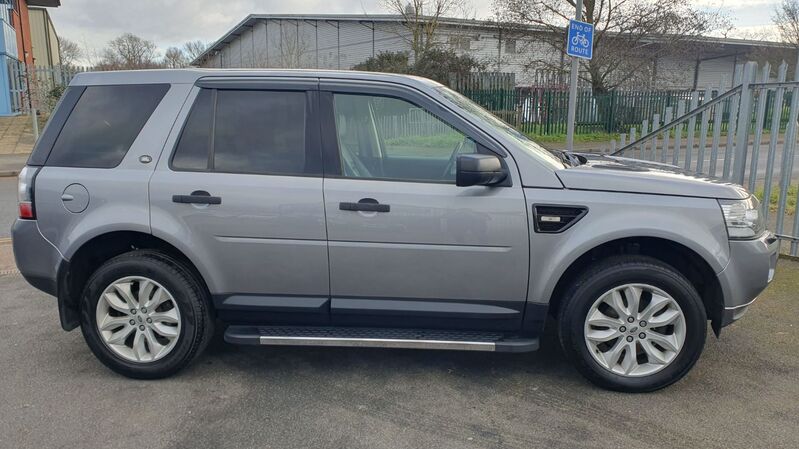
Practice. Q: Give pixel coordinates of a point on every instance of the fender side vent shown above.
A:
(553, 218)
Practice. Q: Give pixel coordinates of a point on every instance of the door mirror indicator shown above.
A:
(479, 170)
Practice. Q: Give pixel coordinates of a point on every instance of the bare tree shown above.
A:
(174, 58)
(193, 49)
(629, 37)
(128, 52)
(292, 48)
(69, 51)
(786, 19)
(421, 19)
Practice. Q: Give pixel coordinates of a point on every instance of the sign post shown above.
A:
(579, 44)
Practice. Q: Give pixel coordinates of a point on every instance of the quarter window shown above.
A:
(195, 141)
(389, 138)
(104, 123)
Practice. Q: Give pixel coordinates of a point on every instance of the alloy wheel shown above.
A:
(138, 319)
(635, 330)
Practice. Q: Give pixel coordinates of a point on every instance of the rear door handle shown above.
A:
(365, 205)
(197, 197)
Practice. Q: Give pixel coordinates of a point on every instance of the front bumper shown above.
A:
(751, 269)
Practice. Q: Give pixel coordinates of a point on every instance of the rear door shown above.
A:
(429, 253)
(242, 194)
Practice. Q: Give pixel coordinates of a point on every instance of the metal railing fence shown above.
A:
(543, 111)
(38, 88)
(755, 146)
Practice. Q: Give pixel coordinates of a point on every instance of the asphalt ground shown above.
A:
(743, 393)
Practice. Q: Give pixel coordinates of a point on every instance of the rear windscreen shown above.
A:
(103, 125)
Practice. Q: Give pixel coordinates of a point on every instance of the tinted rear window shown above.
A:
(195, 141)
(260, 132)
(104, 124)
(254, 131)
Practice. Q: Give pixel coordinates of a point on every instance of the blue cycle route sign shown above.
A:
(580, 40)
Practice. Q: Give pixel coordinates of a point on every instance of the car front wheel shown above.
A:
(633, 324)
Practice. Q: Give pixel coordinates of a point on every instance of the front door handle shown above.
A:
(197, 197)
(365, 205)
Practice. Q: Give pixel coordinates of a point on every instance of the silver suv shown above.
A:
(359, 209)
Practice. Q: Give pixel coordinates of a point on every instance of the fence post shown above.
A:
(700, 157)
(788, 149)
(759, 124)
(732, 122)
(609, 128)
(655, 127)
(718, 111)
(744, 120)
(35, 125)
(675, 158)
(666, 134)
(689, 147)
(776, 120)
(644, 132)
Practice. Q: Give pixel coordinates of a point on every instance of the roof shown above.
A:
(252, 19)
(45, 3)
(190, 76)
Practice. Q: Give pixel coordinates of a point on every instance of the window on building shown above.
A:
(104, 123)
(463, 43)
(510, 46)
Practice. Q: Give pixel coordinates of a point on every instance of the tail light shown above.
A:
(27, 210)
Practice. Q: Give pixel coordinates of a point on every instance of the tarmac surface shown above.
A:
(743, 392)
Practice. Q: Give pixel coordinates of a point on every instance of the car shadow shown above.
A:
(548, 362)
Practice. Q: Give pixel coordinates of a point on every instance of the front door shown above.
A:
(407, 246)
(242, 195)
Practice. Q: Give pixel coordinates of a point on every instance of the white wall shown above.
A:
(320, 44)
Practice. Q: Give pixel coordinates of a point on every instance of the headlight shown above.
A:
(743, 217)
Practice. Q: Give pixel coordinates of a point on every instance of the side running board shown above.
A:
(367, 337)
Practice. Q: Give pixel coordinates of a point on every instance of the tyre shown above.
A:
(632, 324)
(144, 315)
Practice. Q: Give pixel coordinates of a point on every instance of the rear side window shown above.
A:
(195, 141)
(104, 124)
(248, 131)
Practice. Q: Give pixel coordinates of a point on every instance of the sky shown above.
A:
(92, 23)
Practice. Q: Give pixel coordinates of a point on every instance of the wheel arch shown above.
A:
(686, 260)
(86, 257)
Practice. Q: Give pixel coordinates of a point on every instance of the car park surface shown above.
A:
(743, 392)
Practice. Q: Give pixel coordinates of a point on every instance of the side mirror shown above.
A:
(479, 170)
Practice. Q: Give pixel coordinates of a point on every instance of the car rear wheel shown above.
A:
(632, 323)
(144, 315)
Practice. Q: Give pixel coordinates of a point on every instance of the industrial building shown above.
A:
(342, 41)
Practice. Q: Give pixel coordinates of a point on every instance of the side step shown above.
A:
(374, 337)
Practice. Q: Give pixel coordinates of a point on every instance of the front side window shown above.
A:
(496, 125)
(389, 138)
(258, 132)
(104, 123)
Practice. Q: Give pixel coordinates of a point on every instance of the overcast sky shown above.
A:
(92, 23)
